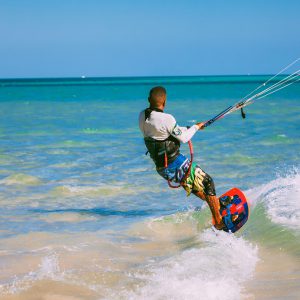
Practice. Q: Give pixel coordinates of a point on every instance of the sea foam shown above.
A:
(281, 198)
(215, 271)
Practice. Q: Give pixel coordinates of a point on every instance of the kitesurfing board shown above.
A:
(234, 209)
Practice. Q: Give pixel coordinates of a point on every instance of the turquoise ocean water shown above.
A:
(84, 215)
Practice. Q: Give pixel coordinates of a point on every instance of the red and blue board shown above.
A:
(234, 209)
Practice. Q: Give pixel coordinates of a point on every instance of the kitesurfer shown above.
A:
(162, 137)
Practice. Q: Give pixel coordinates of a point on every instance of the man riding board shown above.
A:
(162, 137)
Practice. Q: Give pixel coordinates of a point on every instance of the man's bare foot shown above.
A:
(219, 226)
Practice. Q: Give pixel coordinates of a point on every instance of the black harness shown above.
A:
(158, 149)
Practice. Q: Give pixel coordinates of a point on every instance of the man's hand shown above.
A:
(200, 125)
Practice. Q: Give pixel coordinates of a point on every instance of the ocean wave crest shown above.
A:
(21, 179)
(281, 198)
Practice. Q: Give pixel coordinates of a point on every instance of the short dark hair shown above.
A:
(157, 91)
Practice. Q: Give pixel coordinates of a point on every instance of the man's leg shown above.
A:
(214, 206)
(202, 185)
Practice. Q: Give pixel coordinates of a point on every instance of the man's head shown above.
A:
(157, 97)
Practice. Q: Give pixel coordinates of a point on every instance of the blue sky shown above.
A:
(147, 38)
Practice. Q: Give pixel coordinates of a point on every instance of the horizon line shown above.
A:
(85, 77)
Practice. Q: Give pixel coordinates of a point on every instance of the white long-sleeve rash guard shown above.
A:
(160, 126)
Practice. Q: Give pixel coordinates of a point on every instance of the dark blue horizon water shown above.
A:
(189, 80)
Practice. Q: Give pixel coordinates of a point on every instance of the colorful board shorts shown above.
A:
(197, 181)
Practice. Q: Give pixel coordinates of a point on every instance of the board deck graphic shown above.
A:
(234, 209)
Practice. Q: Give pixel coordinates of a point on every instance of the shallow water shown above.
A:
(85, 216)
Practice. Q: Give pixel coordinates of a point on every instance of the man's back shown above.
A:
(158, 126)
